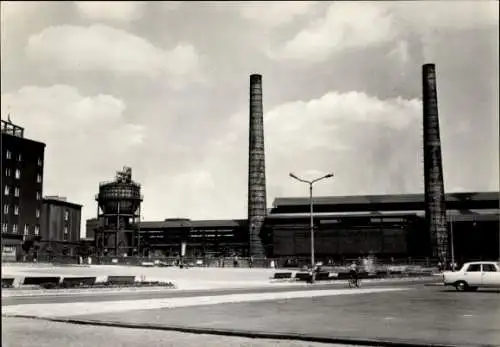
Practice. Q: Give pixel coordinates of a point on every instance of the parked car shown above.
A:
(484, 274)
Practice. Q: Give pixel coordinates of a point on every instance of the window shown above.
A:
(8, 172)
(39, 162)
(39, 178)
(17, 175)
(65, 229)
(19, 157)
(5, 227)
(16, 210)
(26, 229)
(5, 209)
(16, 191)
(37, 213)
(14, 228)
(38, 195)
(8, 154)
(489, 268)
(66, 215)
(37, 230)
(6, 190)
(474, 268)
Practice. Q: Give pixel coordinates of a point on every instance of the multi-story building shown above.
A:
(61, 220)
(22, 183)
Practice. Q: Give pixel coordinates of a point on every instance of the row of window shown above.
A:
(17, 192)
(5, 229)
(17, 174)
(16, 210)
(8, 155)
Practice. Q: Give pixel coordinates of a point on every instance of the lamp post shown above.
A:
(311, 214)
(452, 244)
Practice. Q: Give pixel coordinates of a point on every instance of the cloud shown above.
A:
(371, 145)
(87, 137)
(274, 13)
(345, 25)
(350, 25)
(102, 48)
(111, 10)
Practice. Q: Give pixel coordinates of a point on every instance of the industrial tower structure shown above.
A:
(119, 210)
(435, 208)
(257, 207)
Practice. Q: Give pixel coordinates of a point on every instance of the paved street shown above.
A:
(420, 314)
(397, 312)
(36, 333)
(170, 293)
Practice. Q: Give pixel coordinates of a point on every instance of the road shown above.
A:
(18, 332)
(172, 293)
(399, 312)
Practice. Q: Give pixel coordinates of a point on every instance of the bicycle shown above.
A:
(353, 282)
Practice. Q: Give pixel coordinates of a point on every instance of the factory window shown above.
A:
(6, 209)
(37, 230)
(19, 157)
(26, 229)
(16, 191)
(5, 227)
(7, 190)
(16, 210)
(38, 195)
(17, 175)
(37, 213)
(8, 172)
(66, 215)
(8, 154)
(14, 228)
(38, 178)
(39, 161)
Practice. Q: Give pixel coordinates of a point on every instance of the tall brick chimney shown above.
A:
(257, 209)
(435, 204)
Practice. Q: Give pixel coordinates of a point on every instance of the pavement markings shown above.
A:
(88, 308)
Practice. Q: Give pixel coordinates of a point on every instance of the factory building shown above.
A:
(410, 225)
(352, 226)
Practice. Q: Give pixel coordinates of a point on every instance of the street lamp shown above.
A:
(311, 225)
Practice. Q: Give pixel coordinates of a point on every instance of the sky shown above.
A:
(162, 87)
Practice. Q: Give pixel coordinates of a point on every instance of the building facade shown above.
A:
(61, 220)
(345, 227)
(22, 186)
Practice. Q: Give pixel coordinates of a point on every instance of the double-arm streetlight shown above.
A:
(311, 225)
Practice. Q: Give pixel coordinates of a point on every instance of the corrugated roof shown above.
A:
(382, 199)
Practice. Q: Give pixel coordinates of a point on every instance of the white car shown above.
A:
(484, 274)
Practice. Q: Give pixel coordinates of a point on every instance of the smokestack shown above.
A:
(435, 204)
(257, 209)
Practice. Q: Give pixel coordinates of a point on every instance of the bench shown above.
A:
(282, 275)
(7, 282)
(38, 281)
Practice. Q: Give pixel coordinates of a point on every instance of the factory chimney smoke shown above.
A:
(257, 208)
(435, 205)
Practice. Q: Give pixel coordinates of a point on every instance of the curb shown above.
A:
(247, 334)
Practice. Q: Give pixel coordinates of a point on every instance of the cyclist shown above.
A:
(353, 270)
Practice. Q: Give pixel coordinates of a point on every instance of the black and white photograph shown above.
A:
(250, 173)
